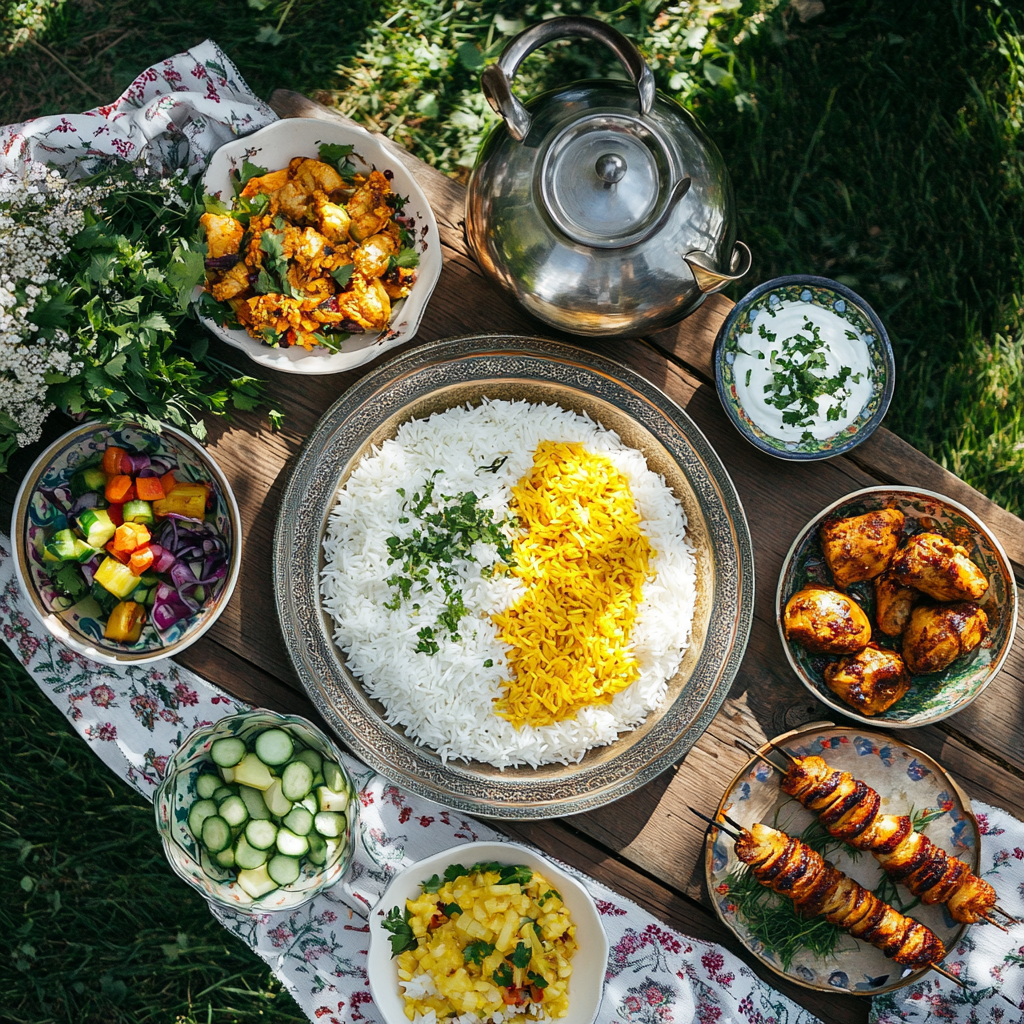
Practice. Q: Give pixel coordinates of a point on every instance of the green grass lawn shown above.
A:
(879, 143)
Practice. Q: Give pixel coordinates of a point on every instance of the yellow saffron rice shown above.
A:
(583, 558)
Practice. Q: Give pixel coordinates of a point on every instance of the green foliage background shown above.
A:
(875, 142)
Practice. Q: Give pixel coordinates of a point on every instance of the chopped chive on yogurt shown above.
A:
(801, 376)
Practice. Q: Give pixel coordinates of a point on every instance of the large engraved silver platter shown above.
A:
(438, 377)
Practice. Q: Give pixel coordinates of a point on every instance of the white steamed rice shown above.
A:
(446, 700)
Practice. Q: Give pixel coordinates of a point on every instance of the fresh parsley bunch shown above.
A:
(128, 279)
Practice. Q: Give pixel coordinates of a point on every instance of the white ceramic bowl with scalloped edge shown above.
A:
(586, 984)
(272, 147)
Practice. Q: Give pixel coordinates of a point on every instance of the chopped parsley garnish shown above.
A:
(477, 952)
(407, 259)
(798, 380)
(520, 956)
(451, 909)
(342, 275)
(548, 895)
(446, 535)
(432, 884)
(503, 975)
(402, 937)
(489, 663)
(537, 979)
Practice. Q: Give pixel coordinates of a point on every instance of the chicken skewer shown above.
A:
(849, 810)
(791, 868)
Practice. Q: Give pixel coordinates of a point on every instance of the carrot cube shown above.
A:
(149, 488)
(142, 558)
(112, 457)
(118, 489)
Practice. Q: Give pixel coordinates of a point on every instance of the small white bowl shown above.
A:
(272, 147)
(586, 986)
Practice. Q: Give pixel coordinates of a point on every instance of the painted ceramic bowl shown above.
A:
(909, 782)
(40, 509)
(176, 794)
(586, 985)
(272, 147)
(435, 378)
(931, 697)
(816, 319)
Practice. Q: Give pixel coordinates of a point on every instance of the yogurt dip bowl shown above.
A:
(804, 368)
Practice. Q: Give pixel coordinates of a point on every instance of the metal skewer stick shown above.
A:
(996, 923)
(1009, 917)
(785, 753)
(717, 824)
(946, 974)
(754, 752)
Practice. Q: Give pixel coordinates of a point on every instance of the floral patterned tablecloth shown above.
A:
(174, 115)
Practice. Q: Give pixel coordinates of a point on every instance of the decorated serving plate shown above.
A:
(937, 695)
(816, 319)
(80, 624)
(453, 373)
(909, 782)
(272, 147)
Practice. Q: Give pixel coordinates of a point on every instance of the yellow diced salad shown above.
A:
(481, 940)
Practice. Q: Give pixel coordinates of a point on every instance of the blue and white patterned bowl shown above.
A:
(176, 794)
(838, 309)
(80, 624)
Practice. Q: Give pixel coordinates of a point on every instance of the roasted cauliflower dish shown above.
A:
(308, 255)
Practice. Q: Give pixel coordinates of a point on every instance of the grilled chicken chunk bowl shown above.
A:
(322, 250)
(896, 606)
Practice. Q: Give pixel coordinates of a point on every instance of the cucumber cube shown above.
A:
(256, 882)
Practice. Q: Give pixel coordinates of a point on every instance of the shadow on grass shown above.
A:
(96, 928)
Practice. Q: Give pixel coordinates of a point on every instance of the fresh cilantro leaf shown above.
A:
(482, 867)
(477, 952)
(489, 663)
(432, 884)
(407, 259)
(276, 417)
(214, 204)
(503, 975)
(453, 871)
(402, 937)
(335, 155)
(518, 874)
(548, 895)
(270, 243)
(248, 172)
(521, 955)
(69, 580)
(451, 909)
(342, 275)
(266, 285)
(537, 979)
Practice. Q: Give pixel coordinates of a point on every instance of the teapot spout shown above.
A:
(710, 280)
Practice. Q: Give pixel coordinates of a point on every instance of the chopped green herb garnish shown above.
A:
(493, 467)
(489, 663)
(520, 956)
(402, 937)
(477, 952)
(503, 975)
(342, 275)
(451, 909)
(432, 884)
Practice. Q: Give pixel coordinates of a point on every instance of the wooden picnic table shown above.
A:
(646, 846)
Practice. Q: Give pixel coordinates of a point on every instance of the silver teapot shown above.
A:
(602, 206)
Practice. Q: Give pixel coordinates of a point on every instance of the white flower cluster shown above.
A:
(40, 213)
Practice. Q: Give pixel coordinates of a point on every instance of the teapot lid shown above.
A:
(605, 179)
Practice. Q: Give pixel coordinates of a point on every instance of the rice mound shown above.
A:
(446, 700)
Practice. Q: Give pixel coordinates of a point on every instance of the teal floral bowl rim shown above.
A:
(193, 866)
(79, 632)
(937, 695)
(843, 302)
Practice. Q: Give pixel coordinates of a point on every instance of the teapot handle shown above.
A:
(496, 80)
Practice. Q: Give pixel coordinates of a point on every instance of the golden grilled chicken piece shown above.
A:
(223, 235)
(849, 809)
(871, 681)
(791, 868)
(823, 619)
(938, 567)
(893, 603)
(861, 547)
(938, 634)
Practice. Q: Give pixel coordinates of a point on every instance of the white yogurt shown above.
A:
(838, 349)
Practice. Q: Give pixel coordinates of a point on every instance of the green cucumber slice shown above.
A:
(330, 824)
(233, 811)
(335, 778)
(283, 869)
(299, 820)
(227, 752)
(296, 780)
(274, 747)
(198, 813)
(290, 844)
(206, 785)
(216, 833)
(260, 834)
(317, 848)
(226, 858)
(248, 857)
(254, 802)
(311, 757)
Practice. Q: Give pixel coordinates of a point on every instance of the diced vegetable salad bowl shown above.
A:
(127, 541)
(267, 832)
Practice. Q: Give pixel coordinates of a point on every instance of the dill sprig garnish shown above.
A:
(773, 919)
(448, 533)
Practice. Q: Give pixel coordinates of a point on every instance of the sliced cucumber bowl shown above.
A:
(257, 811)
